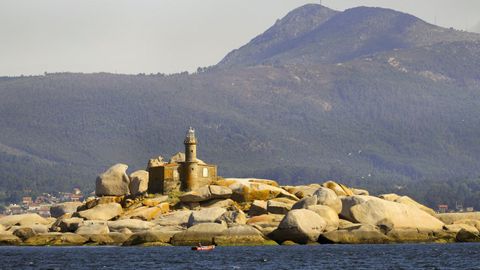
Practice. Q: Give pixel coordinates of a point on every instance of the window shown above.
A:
(205, 172)
(175, 174)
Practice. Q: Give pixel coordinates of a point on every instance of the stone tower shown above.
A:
(191, 163)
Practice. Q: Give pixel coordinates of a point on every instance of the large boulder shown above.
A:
(450, 218)
(327, 197)
(149, 237)
(206, 193)
(113, 182)
(227, 203)
(408, 201)
(68, 224)
(138, 182)
(266, 224)
(364, 234)
(240, 235)
(203, 233)
(147, 213)
(134, 225)
(358, 191)
(258, 208)
(177, 218)
(56, 239)
(328, 214)
(376, 211)
(206, 215)
(23, 220)
(92, 228)
(467, 236)
(420, 236)
(250, 189)
(177, 158)
(302, 191)
(59, 210)
(9, 240)
(458, 227)
(305, 202)
(471, 222)
(155, 200)
(102, 212)
(155, 162)
(233, 217)
(300, 226)
(339, 189)
(278, 207)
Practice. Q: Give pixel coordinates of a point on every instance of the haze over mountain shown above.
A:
(476, 28)
(368, 96)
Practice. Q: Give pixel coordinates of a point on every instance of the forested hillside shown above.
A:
(369, 96)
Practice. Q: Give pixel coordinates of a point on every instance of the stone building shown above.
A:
(183, 172)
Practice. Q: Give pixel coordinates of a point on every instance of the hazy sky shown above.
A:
(150, 36)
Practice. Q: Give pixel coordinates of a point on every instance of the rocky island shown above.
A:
(183, 202)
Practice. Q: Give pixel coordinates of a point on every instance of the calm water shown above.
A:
(415, 256)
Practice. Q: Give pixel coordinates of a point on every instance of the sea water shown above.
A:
(401, 256)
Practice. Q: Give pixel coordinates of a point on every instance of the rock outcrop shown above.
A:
(327, 197)
(206, 193)
(102, 212)
(203, 233)
(375, 211)
(138, 182)
(113, 182)
(64, 208)
(300, 226)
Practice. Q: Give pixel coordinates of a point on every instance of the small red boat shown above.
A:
(203, 248)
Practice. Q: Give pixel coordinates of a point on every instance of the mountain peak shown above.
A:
(316, 34)
(275, 39)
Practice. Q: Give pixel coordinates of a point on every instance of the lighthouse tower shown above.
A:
(191, 163)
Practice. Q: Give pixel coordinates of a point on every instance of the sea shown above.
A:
(401, 256)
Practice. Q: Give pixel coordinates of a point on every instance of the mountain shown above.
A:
(368, 96)
(339, 37)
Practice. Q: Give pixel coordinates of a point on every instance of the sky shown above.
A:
(166, 36)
